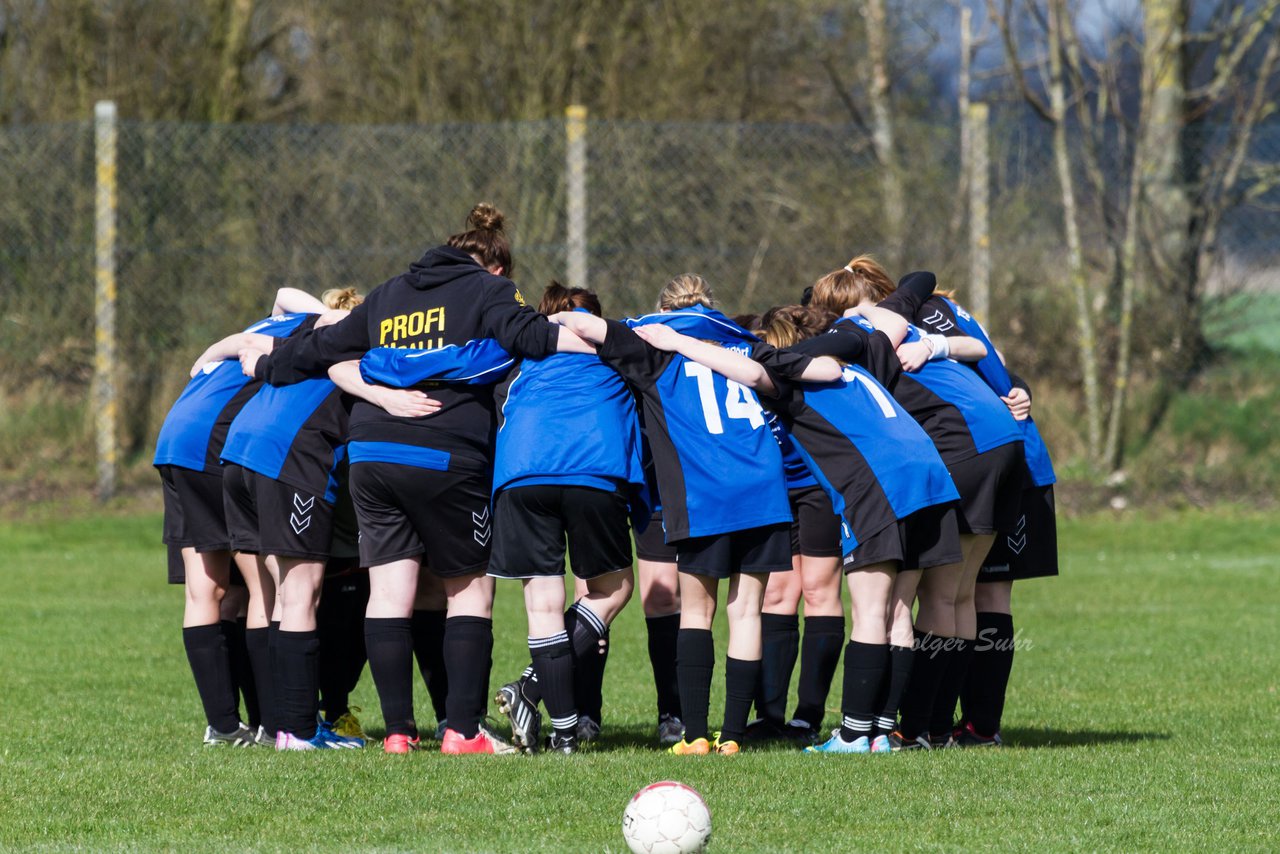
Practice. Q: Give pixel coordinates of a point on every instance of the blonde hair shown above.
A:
(786, 325)
(341, 298)
(685, 290)
(861, 280)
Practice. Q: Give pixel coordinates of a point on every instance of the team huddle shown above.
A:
(345, 480)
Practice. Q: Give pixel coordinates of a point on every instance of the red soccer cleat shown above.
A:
(399, 743)
(483, 742)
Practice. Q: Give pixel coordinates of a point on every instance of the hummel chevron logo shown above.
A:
(482, 537)
(483, 531)
(481, 519)
(938, 320)
(1017, 545)
(301, 520)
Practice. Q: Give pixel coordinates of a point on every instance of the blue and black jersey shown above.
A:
(444, 298)
(876, 464)
(196, 427)
(794, 468)
(717, 464)
(945, 317)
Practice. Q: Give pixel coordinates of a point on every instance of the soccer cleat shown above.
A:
(262, 738)
(320, 741)
(725, 748)
(588, 730)
(398, 742)
(967, 736)
(764, 729)
(801, 731)
(348, 725)
(441, 727)
(670, 730)
(880, 744)
(242, 737)
(941, 742)
(566, 744)
(695, 748)
(526, 720)
(898, 742)
(484, 741)
(326, 732)
(836, 744)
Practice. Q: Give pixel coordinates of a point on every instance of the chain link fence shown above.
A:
(213, 218)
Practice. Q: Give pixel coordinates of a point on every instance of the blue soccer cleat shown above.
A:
(836, 744)
(330, 735)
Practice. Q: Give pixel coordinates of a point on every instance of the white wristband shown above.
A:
(941, 349)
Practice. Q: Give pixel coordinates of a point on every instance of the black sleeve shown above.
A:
(845, 342)
(631, 356)
(519, 329)
(938, 318)
(307, 355)
(781, 364)
(1019, 382)
(881, 360)
(913, 290)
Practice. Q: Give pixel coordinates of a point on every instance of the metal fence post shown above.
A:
(576, 179)
(104, 397)
(979, 213)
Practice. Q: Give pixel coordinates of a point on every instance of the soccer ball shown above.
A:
(666, 818)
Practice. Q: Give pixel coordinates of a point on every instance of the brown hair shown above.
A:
(860, 280)
(484, 238)
(685, 290)
(341, 298)
(559, 298)
(749, 322)
(785, 325)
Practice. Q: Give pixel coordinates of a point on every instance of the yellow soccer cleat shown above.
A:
(348, 725)
(697, 747)
(725, 748)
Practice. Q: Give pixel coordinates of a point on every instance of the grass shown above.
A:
(1142, 716)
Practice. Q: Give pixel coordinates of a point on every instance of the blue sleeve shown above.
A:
(478, 362)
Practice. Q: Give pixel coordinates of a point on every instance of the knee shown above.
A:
(660, 600)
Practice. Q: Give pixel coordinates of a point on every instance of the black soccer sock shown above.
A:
(334, 627)
(355, 604)
(900, 658)
(944, 705)
(468, 657)
(866, 668)
(663, 632)
(982, 698)
(242, 669)
(589, 637)
(741, 680)
(390, 647)
(819, 655)
(263, 678)
(297, 682)
(428, 647)
(928, 660)
(273, 644)
(695, 661)
(780, 634)
(211, 666)
(554, 663)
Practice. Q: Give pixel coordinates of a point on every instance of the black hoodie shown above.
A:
(445, 298)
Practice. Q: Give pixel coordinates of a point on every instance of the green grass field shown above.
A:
(1143, 716)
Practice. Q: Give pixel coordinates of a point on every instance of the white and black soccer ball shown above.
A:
(666, 818)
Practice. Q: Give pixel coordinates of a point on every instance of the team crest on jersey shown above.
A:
(962, 313)
(520, 297)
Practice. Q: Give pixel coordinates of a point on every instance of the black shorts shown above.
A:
(193, 516)
(267, 517)
(531, 524)
(990, 487)
(651, 543)
(407, 511)
(755, 550)
(1030, 549)
(815, 527)
(928, 537)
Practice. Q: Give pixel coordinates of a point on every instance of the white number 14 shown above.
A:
(738, 401)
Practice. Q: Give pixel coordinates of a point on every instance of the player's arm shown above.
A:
(311, 353)
(1019, 397)
(584, 330)
(727, 363)
(405, 403)
(892, 324)
(294, 301)
(230, 347)
(478, 362)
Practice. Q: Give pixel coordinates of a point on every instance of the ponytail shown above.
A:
(861, 280)
(485, 239)
(684, 291)
(787, 325)
(343, 299)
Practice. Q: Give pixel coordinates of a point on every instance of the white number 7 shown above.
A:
(738, 401)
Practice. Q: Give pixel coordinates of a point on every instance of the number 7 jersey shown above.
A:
(717, 463)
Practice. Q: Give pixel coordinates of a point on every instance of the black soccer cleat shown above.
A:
(966, 736)
(526, 720)
(566, 744)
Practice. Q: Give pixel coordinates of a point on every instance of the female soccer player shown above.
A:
(895, 500)
(1030, 550)
(981, 446)
(188, 452)
(421, 486)
(719, 472)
